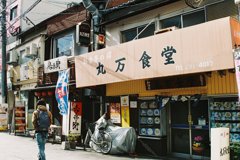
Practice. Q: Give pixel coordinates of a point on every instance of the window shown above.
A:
(184, 20)
(170, 22)
(23, 59)
(64, 45)
(193, 18)
(140, 32)
(13, 13)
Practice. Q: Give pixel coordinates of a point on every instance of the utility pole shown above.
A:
(4, 46)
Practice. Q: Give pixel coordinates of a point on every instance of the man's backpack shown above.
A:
(43, 121)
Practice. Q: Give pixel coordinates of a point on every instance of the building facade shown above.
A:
(172, 81)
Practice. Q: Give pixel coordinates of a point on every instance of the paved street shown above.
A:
(24, 148)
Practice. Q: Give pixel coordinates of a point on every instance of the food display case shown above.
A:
(151, 119)
(226, 113)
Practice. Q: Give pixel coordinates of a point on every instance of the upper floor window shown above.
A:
(184, 20)
(64, 45)
(13, 13)
(23, 58)
(138, 32)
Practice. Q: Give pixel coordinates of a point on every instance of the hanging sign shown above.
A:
(61, 91)
(83, 33)
(76, 117)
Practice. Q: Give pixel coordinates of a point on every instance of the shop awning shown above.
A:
(200, 48)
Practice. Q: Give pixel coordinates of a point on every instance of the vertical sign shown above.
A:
(125, 111)
(76, 118)
(61, 91)
(115, 112)
(237, 69)
(220, 149)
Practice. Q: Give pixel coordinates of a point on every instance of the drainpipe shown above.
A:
(96, 16)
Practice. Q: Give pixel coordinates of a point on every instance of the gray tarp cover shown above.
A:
(123, 139)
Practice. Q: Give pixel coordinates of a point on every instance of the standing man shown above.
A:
(41, 119)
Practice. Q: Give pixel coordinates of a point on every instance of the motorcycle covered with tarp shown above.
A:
(123, 140)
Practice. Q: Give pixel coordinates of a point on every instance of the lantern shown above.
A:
(37, 94)
(44, 94)
(50, 93)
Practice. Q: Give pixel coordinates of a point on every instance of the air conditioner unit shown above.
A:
(13, 58)
(166, 30)
(31, 51)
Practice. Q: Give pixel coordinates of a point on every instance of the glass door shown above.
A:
(189, 128)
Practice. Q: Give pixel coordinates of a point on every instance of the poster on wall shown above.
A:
(125, 111)
(61, 91)
(115, 112)
(3, 117)
(76, 118)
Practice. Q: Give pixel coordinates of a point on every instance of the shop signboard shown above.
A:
(56, 64)
(61, 91)
(220, 148)
(160, 55)
(76, 117)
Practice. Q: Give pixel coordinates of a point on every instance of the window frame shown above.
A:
(61, 35)
(182, 15)
(137, 28)
(13, 12)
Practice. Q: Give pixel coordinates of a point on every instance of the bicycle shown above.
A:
(103, 140)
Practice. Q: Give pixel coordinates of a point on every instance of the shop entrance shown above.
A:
(189, 129)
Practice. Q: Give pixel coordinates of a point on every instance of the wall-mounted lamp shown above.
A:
(208, 74)
(222, 73)
(231, 70)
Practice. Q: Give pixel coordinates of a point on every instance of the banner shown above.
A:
(76, 118)
(61, 91)
(125, 111)
(237, 69)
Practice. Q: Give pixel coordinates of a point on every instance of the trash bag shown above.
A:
(123, 139)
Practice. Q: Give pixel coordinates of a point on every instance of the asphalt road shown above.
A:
(25, 148)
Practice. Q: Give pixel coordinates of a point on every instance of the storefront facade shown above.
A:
(170, 84)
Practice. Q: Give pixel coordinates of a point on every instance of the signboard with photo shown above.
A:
(115, 112)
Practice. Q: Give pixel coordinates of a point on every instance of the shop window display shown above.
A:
(150, 119)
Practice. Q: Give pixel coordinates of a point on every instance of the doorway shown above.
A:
(189, 126)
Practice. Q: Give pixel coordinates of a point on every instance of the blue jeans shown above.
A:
(41, 140)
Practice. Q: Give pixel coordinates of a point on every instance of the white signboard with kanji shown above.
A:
(220, 149)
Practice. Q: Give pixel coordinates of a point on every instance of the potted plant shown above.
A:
(198, 145)
(72, 139)
(235, 151)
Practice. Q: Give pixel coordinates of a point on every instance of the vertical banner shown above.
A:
(115, 112)
(61, 91)
(76, 118)
(125, 111)
(237, 70)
